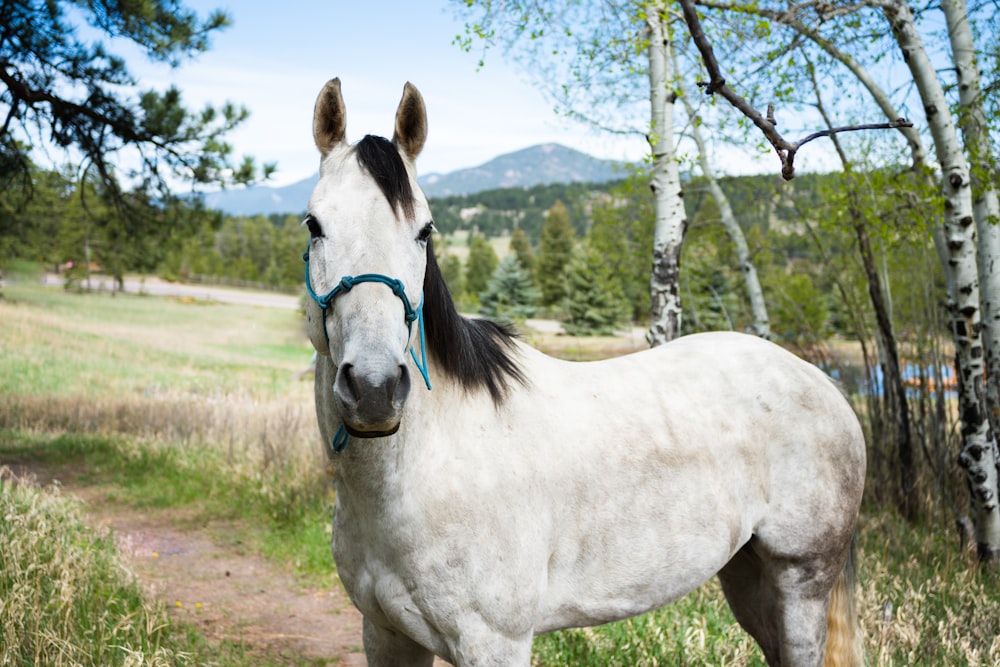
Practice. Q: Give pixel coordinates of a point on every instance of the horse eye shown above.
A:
(315, 231)
(426, 232)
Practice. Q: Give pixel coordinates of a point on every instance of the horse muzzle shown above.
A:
(371, 402)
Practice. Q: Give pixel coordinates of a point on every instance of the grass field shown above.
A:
(457, 243)
(201, 406)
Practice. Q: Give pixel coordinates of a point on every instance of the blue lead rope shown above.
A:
(340, 440)
(342, 437)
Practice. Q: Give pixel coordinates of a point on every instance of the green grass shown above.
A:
(698, 630)
(66, 599)
(921, 599)
(168, 404)
(56, 343)
(174, 405)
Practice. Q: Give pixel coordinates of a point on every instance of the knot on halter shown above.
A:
(410, 315)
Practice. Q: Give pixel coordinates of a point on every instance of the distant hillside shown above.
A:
(263, 199)
(537, 165)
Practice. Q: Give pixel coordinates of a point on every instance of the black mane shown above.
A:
(379, 157)
(477, 353)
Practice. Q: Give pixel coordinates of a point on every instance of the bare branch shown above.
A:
(899, 122)
(788, 18)
(785, 149)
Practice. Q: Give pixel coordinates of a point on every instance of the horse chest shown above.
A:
(425, 570)
(369, 565)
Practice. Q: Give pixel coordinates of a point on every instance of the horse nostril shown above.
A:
(346, 384)
(402, 386)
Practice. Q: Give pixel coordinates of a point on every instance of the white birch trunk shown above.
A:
(671, 222)
(761, 322)
(986, 204)
(978, 456)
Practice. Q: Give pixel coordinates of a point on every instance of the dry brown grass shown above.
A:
(253, 434)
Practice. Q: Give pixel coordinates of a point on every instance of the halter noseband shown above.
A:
(346, 283)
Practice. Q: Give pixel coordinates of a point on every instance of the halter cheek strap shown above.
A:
(411, 314)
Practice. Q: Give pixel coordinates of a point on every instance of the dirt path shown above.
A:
(206, 576)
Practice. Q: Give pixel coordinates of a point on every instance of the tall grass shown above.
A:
(65, 599)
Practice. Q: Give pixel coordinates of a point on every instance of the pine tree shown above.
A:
(511, 294)
(595, 302)
(480, 266)
(60, 80)
(451, 271)
(521, 246)
(621, 230)
(554, 252)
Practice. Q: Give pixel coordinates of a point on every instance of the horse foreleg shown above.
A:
(498, 653)
(389, 648)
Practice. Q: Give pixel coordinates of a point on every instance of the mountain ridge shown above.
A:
(535, 165)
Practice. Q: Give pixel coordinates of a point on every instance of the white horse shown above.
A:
(523, 494)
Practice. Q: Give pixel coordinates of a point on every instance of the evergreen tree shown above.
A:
(595, 303)
(801, 318)
(554, 252)
(72, 87)
(451, 271)
(480, 266)
(65, 85)
(511, 293)
(521, 246)
(622, 232)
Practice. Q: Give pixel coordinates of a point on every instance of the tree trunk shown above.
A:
(671, 222)
(978, 455)
(986, 203)
(761, 322)
(895, 391)
(898, 409)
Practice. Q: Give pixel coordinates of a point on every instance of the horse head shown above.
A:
(369, 226)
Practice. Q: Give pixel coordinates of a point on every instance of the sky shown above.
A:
(276, 57)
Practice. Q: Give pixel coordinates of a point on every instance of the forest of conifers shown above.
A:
(800, 244)
(798, 237)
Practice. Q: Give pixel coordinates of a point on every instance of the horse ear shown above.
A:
(329, 117)
(411, 123)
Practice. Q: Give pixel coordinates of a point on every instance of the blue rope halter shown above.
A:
(342, 437)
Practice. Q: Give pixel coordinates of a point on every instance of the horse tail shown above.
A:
(844, 646)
